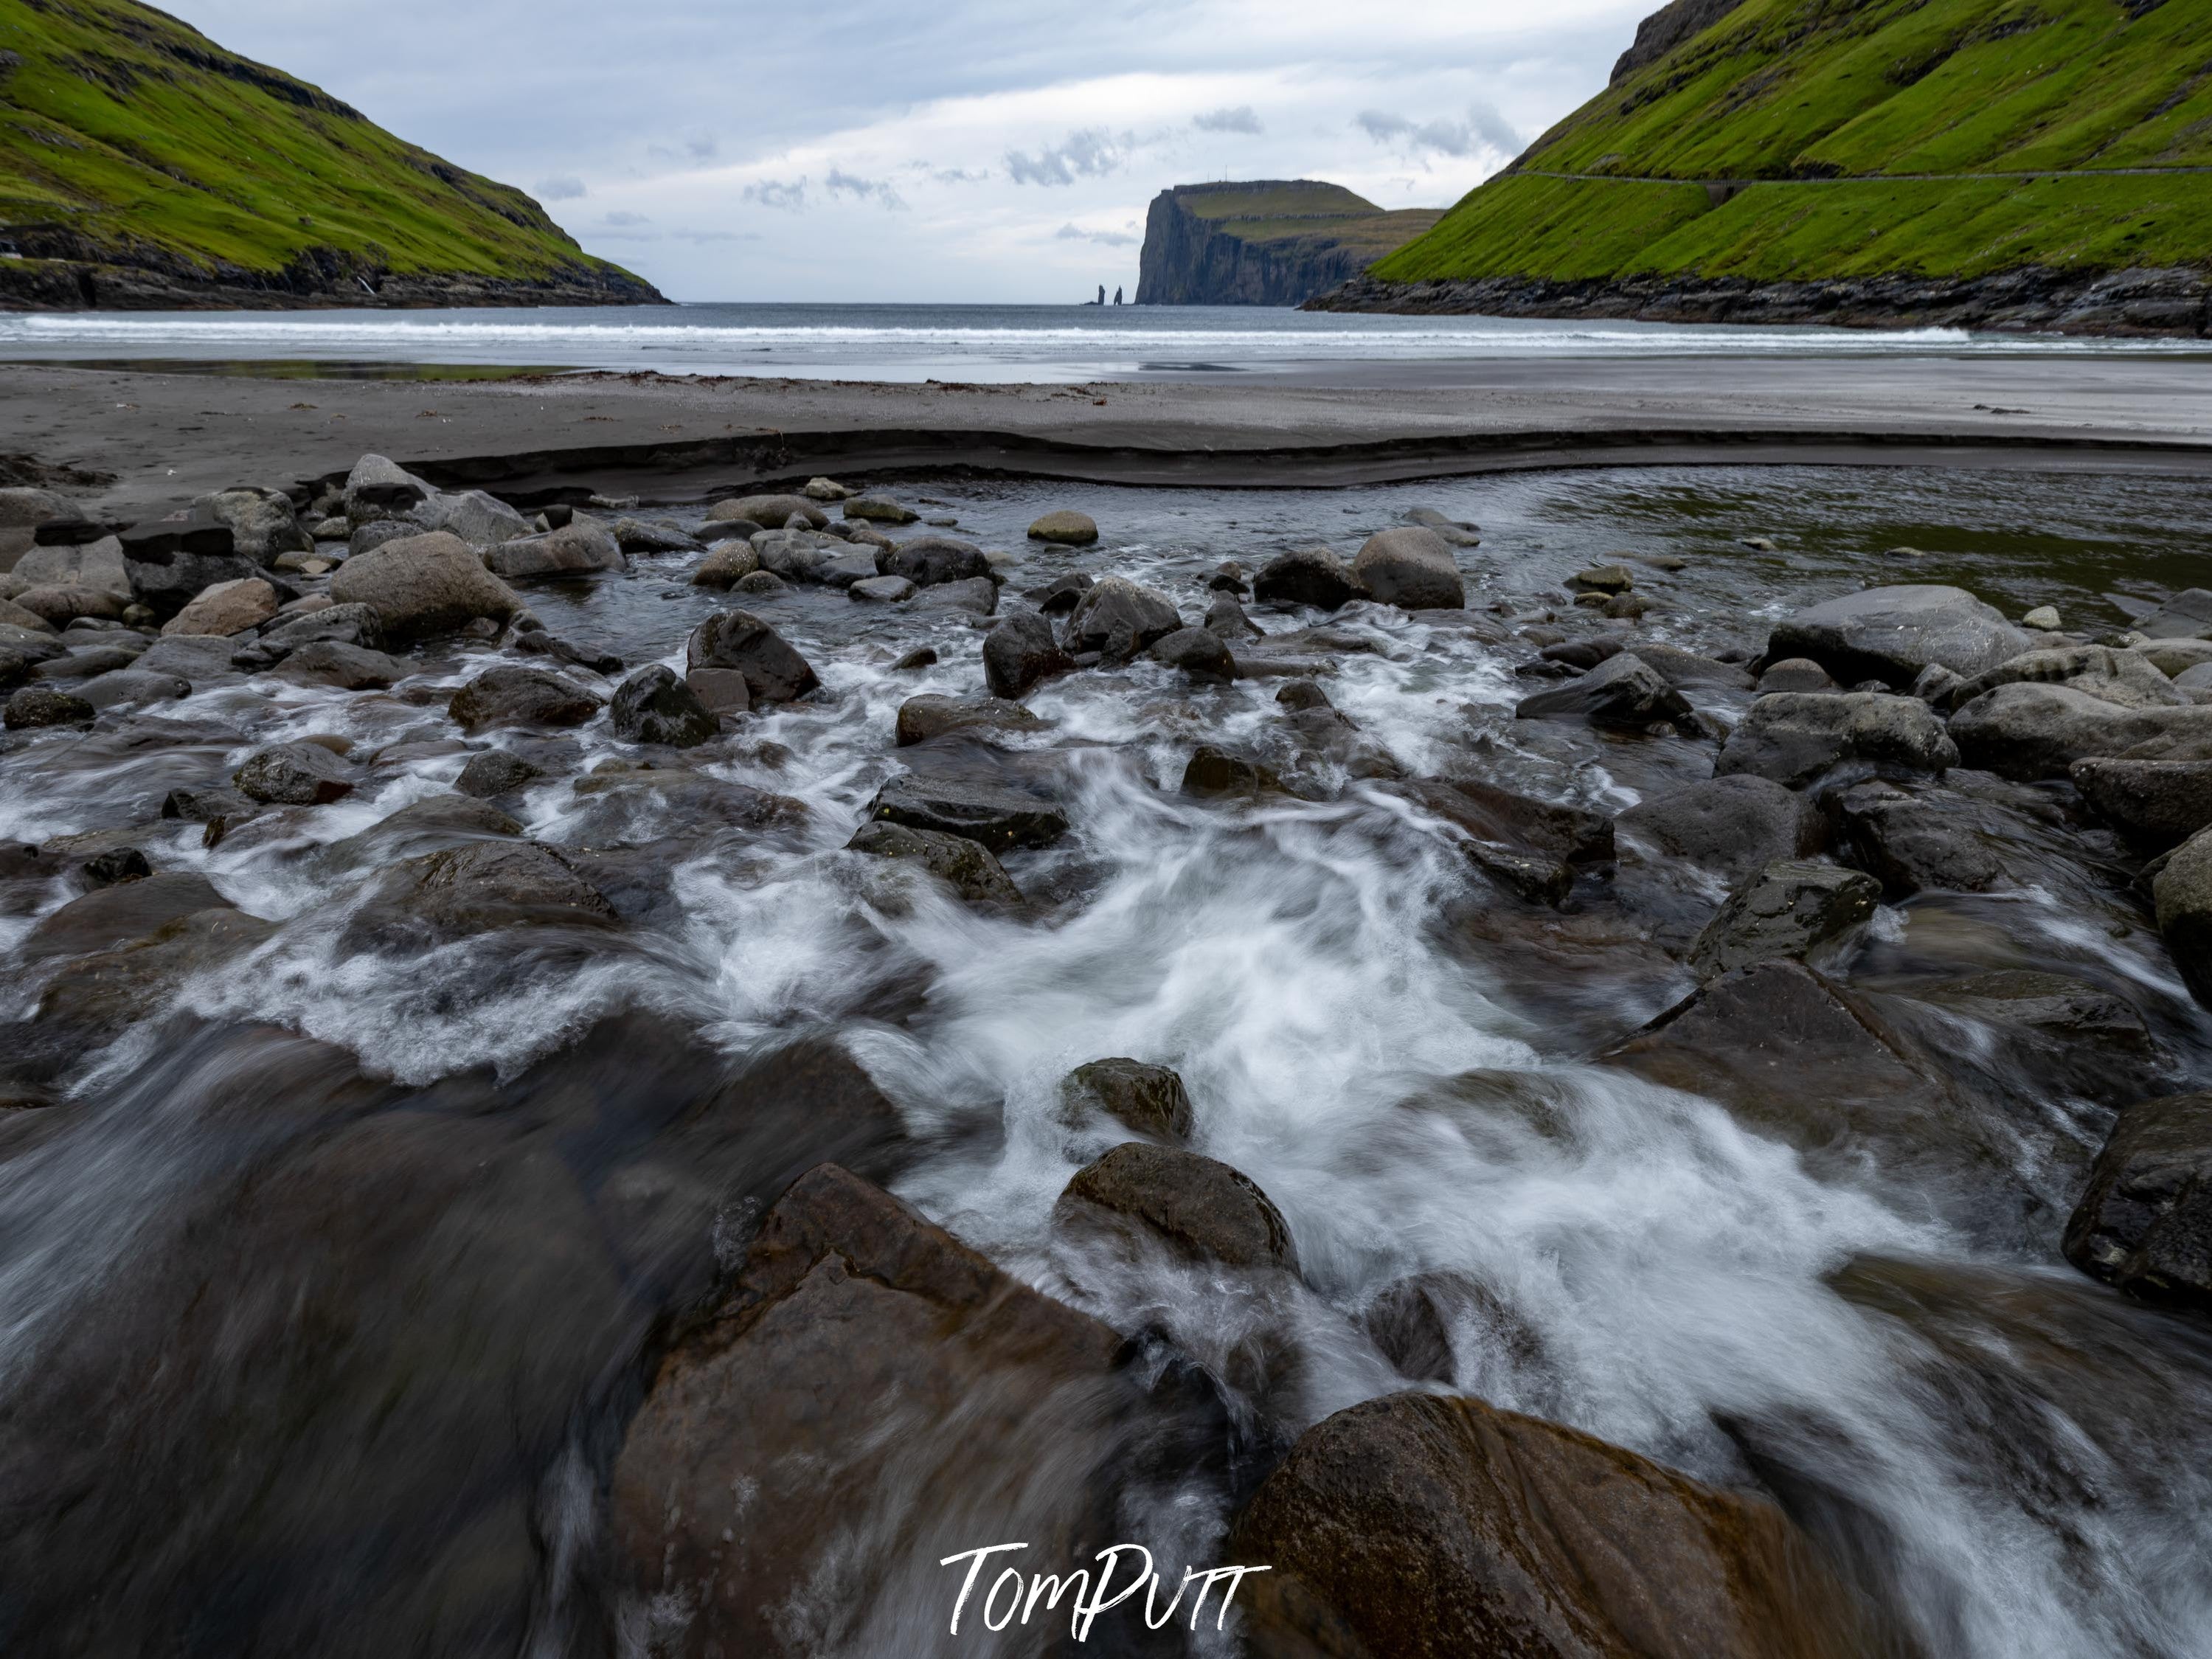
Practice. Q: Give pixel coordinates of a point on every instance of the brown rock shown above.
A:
(1150, 1099)
(1200, 1207)
(1430, 1527)
(227, 608)
(864, 1368)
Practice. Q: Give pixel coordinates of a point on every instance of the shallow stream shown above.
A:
(1877, 1329)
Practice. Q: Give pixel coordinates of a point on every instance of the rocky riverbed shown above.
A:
(1598, 1063)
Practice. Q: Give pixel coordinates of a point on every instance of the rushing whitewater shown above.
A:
(965, 342)
(2011, 1460)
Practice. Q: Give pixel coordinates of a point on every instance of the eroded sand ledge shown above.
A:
(167, 437)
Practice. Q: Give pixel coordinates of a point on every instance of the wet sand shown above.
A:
(169, 436)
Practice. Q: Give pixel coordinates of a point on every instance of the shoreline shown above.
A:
(165, 438)
(2166, 303)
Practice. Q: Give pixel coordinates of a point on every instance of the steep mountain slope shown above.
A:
(1863, 160)
(1272, 242)
(142, 165)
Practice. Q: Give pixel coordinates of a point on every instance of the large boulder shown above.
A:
(877, 509)
(263, 523)
(741, 643)
(333, 663)
(422, 586)
(1797, 1058)
(860, 1367)
(1421, 1526)
(1412, 568)
(1150, 1099)
(22, 649)
(769, 512)
(24, 509)
(2028, 730)
(1198, 1208)
(725, 565)
(1119, 618)
(978, 596)
(479, 519)
(99, 565)
(510, 695)
(2155, 802)
(1066, 526)
(1785, 912)
(2145, 1221)
(1793, 737)
(170, 560)
(341, 624)
(1891, 634)
(59, 606)
(227, 608)
(1019, 652)
(2182, 895)
(1687, 670)
(37, 708)
(1197, 654)
(576, 549)
(930, 715)
(1487, 812)
(2186, 616)
(108, 916)
(1908, 843)
(928, 561)
(2126, 678)
(998, 817)
(654, 706)
(1733, 825)
(379, 488)
(477, 888)
(1620, 691)
(1308, 575)
(964, 865)
(294, 775)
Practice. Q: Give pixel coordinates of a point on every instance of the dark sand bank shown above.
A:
(166, 437)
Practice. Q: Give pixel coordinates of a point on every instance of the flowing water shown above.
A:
(911, 343)
(203, 1438)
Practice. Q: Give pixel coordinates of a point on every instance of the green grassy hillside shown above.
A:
(1304, 209)
(129, 139)
(1812, 139)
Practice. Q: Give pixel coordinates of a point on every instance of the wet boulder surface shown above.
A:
(610, 1115)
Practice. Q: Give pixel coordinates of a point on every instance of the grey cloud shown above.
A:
(559, 189)
(693, 146)
(1242, 118)
(619, 218)
(788, 194)
(1484, 129)
(1110, 237)
(867, 190)
(948, 175)
(1091, 154)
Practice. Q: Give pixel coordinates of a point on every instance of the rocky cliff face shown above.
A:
(1266, 243)
(2166, 302)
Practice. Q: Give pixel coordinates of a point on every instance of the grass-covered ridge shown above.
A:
(1282, 211)
(2060, 132)
(127, 136)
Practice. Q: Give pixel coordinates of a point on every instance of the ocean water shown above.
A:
(1001, 343)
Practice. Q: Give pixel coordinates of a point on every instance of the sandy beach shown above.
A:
(168, 437)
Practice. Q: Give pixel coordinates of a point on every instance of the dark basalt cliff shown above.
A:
(1271, 242)
(2149, 303)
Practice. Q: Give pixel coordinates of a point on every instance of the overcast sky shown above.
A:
(932, 149)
